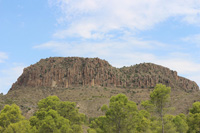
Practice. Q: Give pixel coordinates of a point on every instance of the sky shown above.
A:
(123, 32)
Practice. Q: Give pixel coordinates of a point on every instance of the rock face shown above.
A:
(75, 71)
(147, 75)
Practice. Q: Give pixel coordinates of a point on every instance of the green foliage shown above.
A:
(194, 118)
(1, 129)
(50, 121)
(180, 123)
(155, 125)
(172, 124)
(122, 115)
(48, 103)
(169, 125)
(142, 122)
(160, 97)
(148, 105)
(69, 111)
(193, 123)
(92, 119)
(195, 108)
(157, 104)
(91, 130)
(57, 116)
(10, 114)
(20, 127)
(100, 125)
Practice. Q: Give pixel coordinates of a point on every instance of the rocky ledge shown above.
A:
(75, 71)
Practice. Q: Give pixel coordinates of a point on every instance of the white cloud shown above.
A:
(9, 76)
(107, 29)
(3, 56)
(96, 18)
(83, 30)
(183, 66)
(102, 48)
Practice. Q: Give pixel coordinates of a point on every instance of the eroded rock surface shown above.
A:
(76, 71)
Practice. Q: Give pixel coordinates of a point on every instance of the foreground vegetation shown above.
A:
(121, 116)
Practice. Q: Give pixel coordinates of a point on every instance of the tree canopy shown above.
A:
(120, 116)
(158, 101)
(54, 115)
(10, 114)
(194, 118)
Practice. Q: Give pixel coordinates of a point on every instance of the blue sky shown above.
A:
(123, 32)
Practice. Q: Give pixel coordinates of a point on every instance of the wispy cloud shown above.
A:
(118, 53)
(9, 76)
(96, 18)
(101, 48)
(3, 56)
(108, 29)
(184, 66)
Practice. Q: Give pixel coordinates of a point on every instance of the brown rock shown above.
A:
(75, 71)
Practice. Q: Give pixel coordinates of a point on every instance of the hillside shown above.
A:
(74, 71)
(90, 82)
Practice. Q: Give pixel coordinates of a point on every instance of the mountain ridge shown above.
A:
(68, 72)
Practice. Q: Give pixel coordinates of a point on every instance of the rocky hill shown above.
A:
(90, 82)
(80, 72)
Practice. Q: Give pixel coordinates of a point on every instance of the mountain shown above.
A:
(90, 82)
(80, 72)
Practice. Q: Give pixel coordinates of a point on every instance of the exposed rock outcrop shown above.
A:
(75, 71)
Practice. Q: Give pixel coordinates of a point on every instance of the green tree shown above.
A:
(54, 115)
(20, 127)
(48, 103)
(180, 123)
(91, 130)
(194, 118)
(159, 98)
(10, 114)
(169, 124)
(143, 122)
(1, 129)
(100, 125)
(69, 111)
(195, 108)
(148, 106)
(121, 116)
(66, 109)
(155, 125)
(50, 122)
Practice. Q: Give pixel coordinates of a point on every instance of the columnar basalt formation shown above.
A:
(75, 71)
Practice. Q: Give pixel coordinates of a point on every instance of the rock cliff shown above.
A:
(75, 71)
